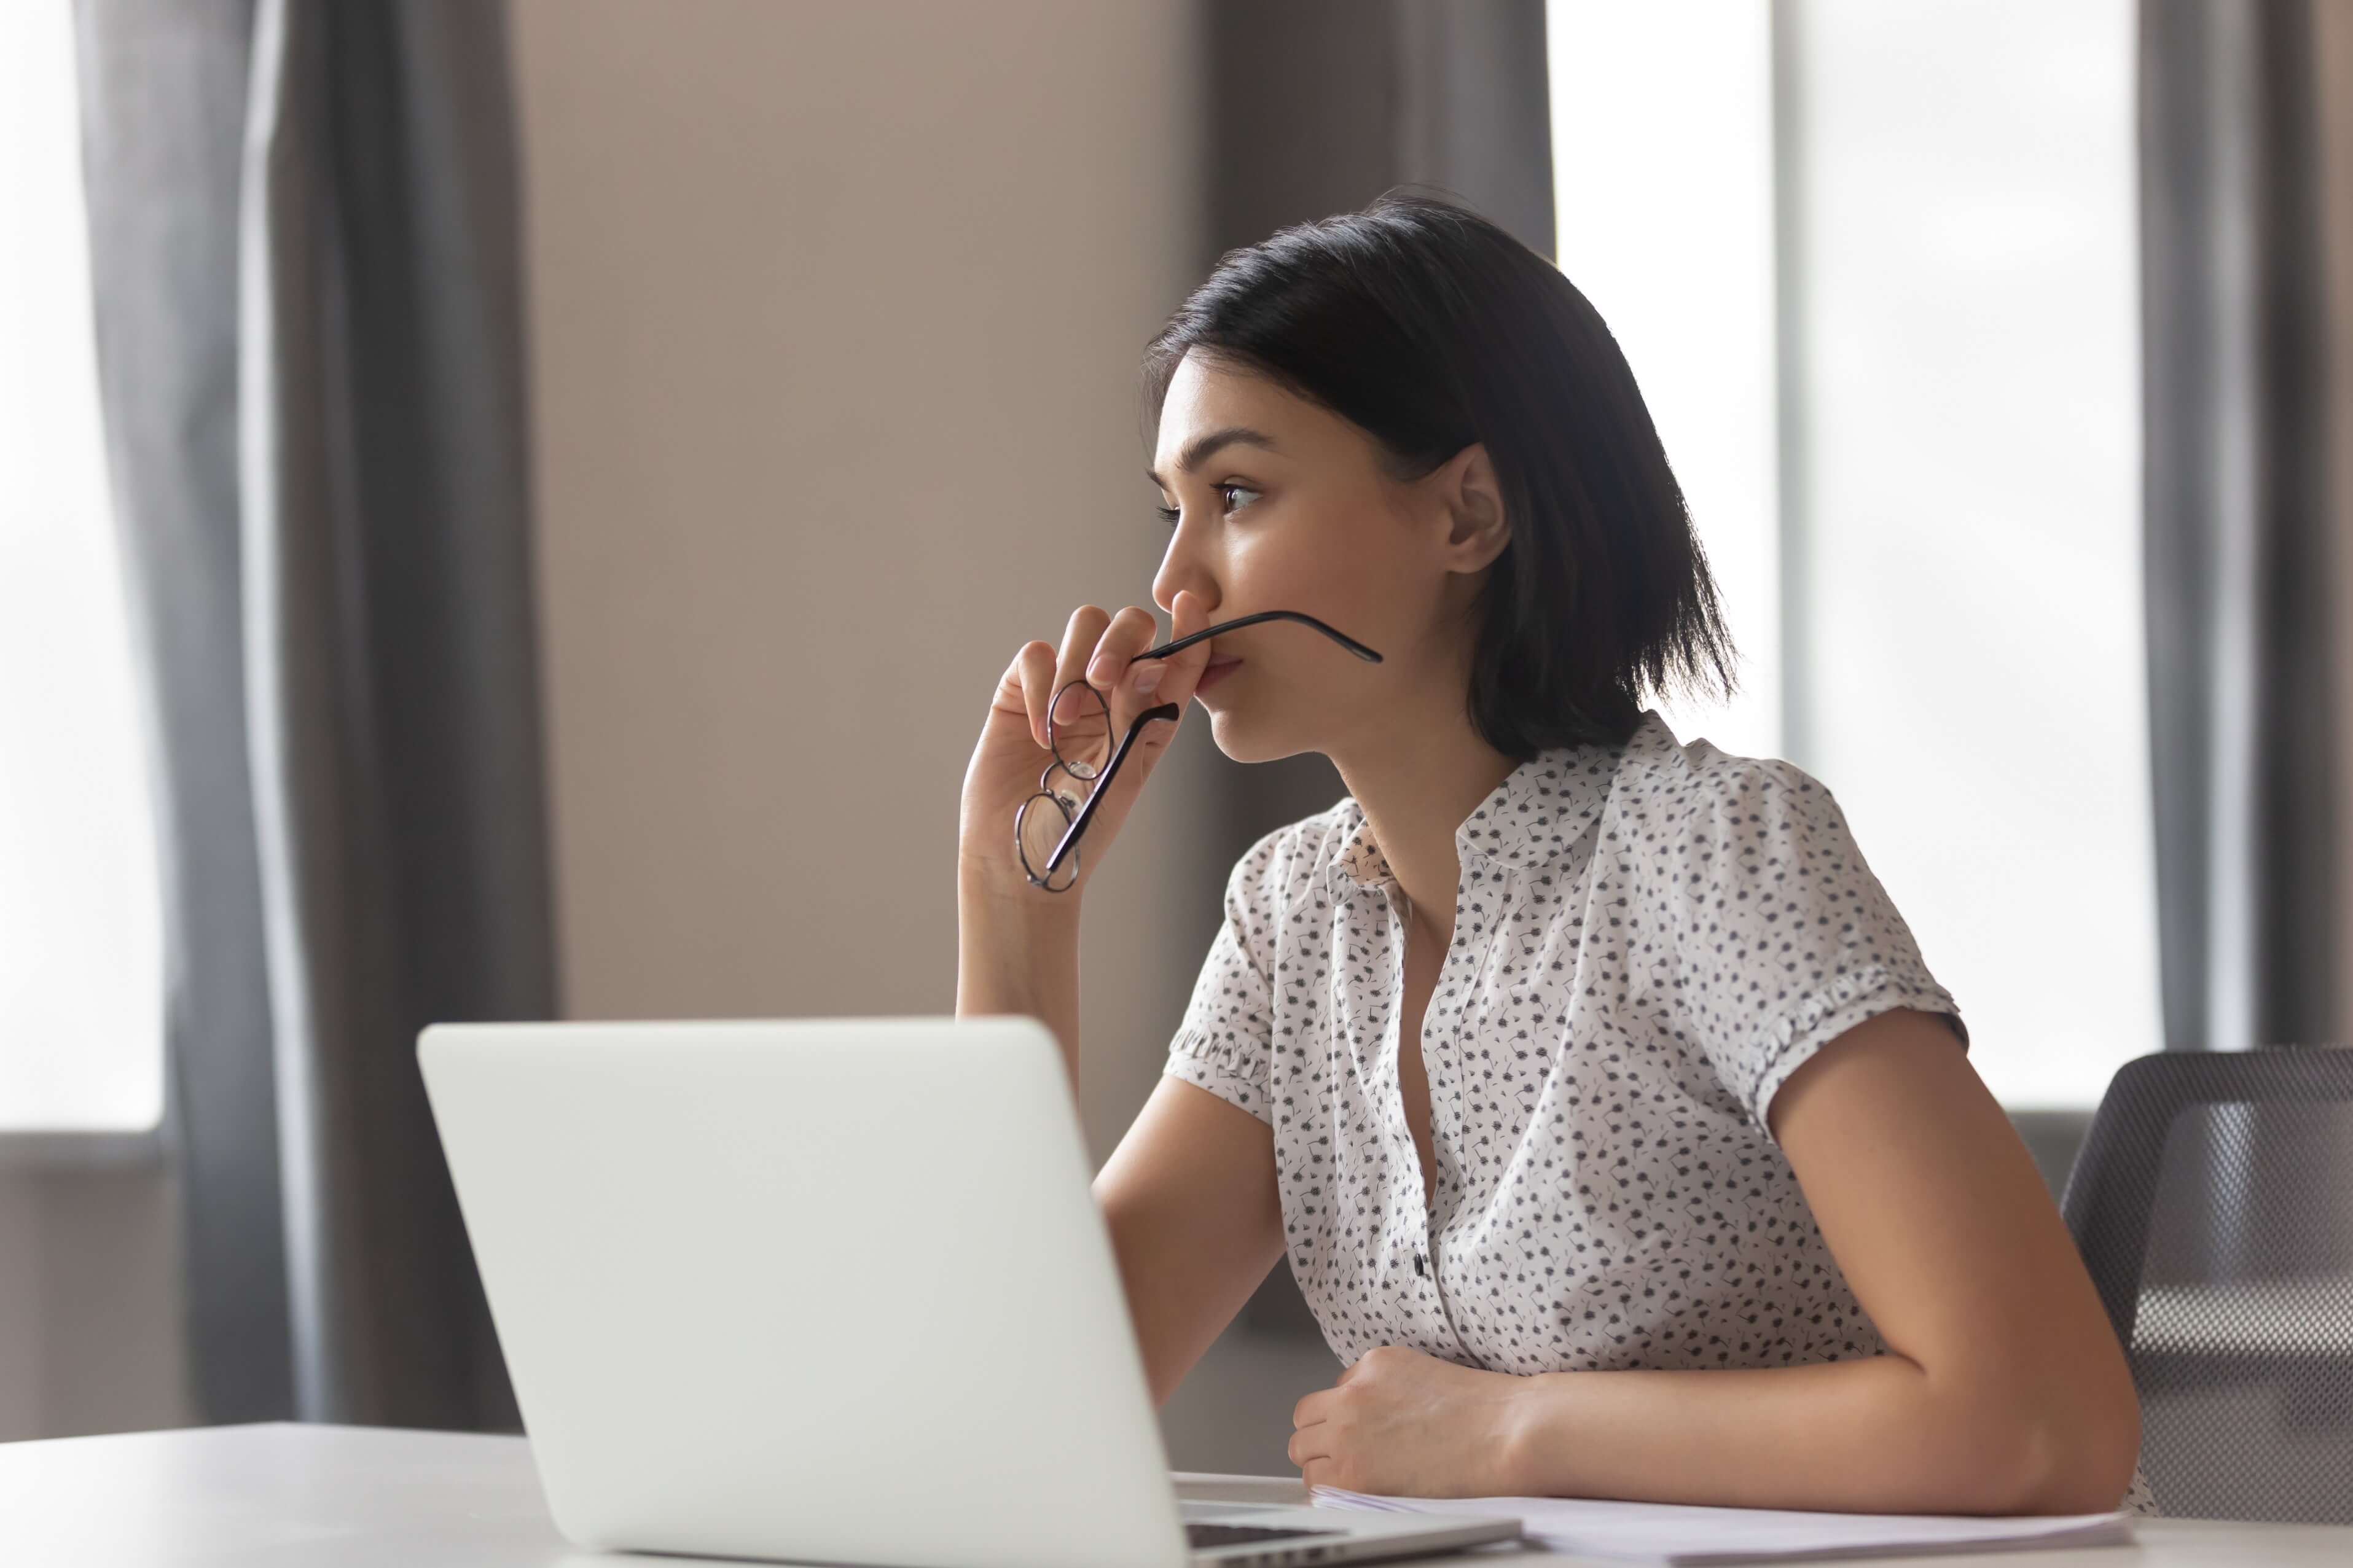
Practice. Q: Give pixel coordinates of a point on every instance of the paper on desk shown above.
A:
(1679, 1534)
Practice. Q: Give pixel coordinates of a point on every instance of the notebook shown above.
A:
(1679, 1534)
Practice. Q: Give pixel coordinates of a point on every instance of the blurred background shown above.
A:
(517, 511)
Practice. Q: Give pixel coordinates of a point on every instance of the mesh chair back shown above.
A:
(2213, 1205)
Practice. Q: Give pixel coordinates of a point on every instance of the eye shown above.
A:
(1169, 513)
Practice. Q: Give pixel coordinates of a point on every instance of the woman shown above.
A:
(1685, 1191)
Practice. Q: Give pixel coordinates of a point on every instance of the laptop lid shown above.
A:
(830, 1290)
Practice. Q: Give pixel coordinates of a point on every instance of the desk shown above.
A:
(279, 1494)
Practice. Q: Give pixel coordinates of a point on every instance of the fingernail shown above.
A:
(1098, 672)
(1147, 679)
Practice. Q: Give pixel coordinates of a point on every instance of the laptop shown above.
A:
(829, 1290)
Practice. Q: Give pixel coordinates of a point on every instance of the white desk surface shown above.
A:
(280, 1493)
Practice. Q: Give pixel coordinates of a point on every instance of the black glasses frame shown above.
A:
(1067, 846)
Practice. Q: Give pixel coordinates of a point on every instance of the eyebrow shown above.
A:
(1205, 446)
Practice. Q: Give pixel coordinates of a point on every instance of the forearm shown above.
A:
(1875, 1434)
(1017, 955)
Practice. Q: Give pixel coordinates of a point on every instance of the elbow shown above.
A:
(2063, 1451)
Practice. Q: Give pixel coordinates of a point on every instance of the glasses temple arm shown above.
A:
(1168, 710)
(1342, 638)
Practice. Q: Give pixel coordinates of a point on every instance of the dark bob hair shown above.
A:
(1431, 328)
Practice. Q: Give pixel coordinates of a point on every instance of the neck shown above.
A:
(1414, 793)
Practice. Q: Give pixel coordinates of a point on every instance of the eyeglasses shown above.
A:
(1047, 827)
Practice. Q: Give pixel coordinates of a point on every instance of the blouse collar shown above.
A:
(1530, 820)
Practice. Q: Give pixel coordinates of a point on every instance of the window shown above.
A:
(1962, 659)
(80, 951)
(1663, 169)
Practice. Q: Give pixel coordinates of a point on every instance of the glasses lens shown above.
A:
(1043, 819)
(1078, 725)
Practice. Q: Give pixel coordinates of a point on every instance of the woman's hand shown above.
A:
(1401, 1424)
(1013, 750)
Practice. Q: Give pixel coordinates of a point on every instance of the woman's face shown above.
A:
(1297, 514)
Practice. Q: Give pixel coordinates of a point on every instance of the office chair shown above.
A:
(2213, 1205)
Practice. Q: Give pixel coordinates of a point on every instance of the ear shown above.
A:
(1473, 503)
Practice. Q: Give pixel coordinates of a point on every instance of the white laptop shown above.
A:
(829, 1290)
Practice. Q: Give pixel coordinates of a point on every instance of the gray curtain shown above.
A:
(2243, 108)
(304, 247)
(1315, 108)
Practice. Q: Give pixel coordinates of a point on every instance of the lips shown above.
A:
(1214, 672)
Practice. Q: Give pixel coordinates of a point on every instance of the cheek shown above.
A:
(1314, 563)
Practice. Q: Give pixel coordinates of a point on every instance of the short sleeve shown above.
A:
(1774, 937)
(1224, 1041)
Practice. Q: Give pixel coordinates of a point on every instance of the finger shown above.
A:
(1331, 1470)
(1079, 639)
(1035, 663)
(1129, 633)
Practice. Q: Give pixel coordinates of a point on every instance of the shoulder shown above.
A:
(1695, 823)
(1677, 795)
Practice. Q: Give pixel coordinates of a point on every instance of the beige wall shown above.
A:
(89, 1302)
(836, 314)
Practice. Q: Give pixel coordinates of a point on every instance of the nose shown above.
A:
(1181, 568)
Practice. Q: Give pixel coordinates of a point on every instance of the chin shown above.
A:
(1245, 743)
